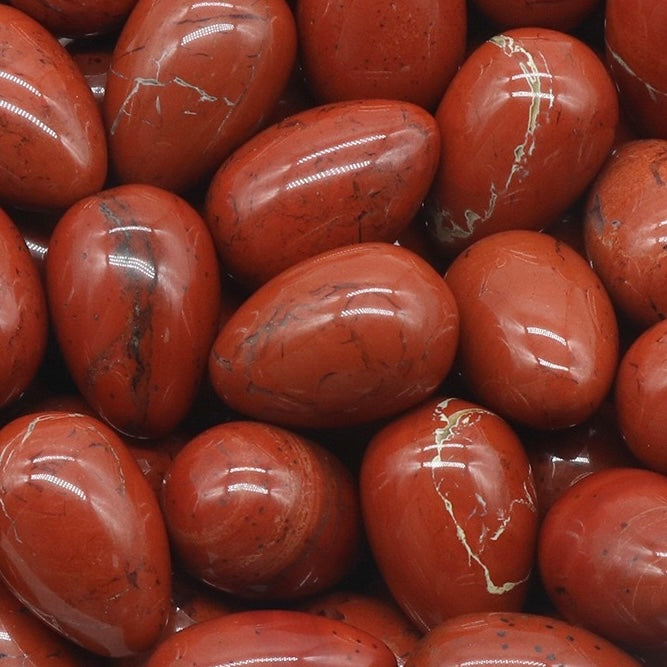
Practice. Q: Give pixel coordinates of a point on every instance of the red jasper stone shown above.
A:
(556, 14)
(272, 637)
(23, 325)
(190, 81)
(68, 18)
(343, 338)
(82, 540)
(641, 392)
(52, 146)
(324, 178)
(603, 556)
(634, 35)
(515, 639)
(285, 512)
(539, 338)
(623, 229)
(134, 293)
(373, 49)
(450, 513)
(544, 120)
(26, 640)
(380, 618)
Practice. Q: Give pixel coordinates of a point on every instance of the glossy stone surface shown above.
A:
(343, 338)
(623, 229)
(640, 395)
(634, 35)
(563, 457)
(261, 512)
(450, 512)
(515, 639)
(556, 14)
(190, 81)
(25, 640)
(134, 294)
(82, 540)
(72, 18)
(603, 556)
(23, 325)
(379, 617)
(52, 147)
(373, 49)
(323, 178)
(539, 339)
(525, 125)
(273, 636)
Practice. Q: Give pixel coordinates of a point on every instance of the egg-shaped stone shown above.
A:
(525, 125)
(134, 294)
(633, 36)
(82, 540)
(320, 179)
(623, 229)
(261, 512)
(359, 50)
(602, 556)
(539, 338)
(346, 337)
(273, 636)
(53, 149)
(515, 639)
(24, 320)
(450, 511)
(189, 82)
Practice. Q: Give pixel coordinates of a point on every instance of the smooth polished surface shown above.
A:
(343, 338)
(52, 148)
(272, 637)
(261, 512)
(563, 457)
(71, 18)
(521, 640)
(25, 640)
(320, 179)
(634, 35)
(603, 556)
(23, 314)
(525, 124)
(190, 81)
(450, 511)
(82, 540)
(380, 617)
(134, 293)
(374, 49)
(640, 395)
(624, 229)
(539, 339)
(556, 14)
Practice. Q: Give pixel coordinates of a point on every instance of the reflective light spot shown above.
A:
(206, 31)
(60, 483)
(326, 173)
(31, 118)
(134, 264)
(351, 143)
